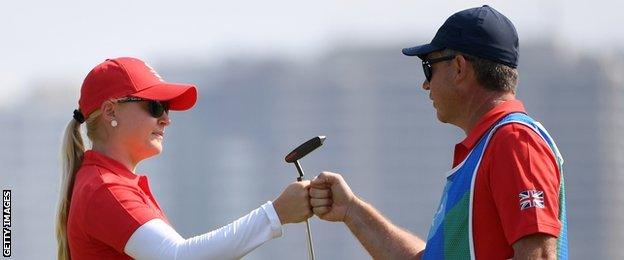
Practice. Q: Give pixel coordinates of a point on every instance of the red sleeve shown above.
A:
(115, 211)
(524, 180)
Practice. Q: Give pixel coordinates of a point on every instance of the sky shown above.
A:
(60, 41)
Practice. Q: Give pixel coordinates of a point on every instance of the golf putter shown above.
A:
(293, 157)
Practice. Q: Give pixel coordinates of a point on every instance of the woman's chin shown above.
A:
(155, 148)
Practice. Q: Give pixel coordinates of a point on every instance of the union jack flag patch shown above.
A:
(531, 198)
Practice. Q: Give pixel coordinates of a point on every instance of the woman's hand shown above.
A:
(293, 205)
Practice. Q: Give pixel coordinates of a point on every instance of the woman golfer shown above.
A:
(106, 211)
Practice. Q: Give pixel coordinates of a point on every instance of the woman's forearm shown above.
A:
(157, 240)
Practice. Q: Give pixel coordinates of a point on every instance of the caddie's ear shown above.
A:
(461, 68)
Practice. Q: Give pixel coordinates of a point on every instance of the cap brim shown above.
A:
(180, 96)
(422, 50)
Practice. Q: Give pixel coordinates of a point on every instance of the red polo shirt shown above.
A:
(108, 204)
(516, 159)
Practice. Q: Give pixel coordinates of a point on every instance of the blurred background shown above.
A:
(272, 74)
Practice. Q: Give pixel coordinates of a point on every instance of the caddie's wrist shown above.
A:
(352, 209)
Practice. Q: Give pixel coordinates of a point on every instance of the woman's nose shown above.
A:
(164, 119)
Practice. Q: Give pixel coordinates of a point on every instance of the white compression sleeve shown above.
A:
(157, 240)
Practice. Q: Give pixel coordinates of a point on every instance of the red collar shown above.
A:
(491, 117)
(92, 157)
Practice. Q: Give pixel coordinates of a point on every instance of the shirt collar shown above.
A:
(491, 117)
(92, 157)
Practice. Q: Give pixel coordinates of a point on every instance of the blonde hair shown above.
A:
(72, 152)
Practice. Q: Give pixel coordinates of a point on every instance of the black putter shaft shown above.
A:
(300, 170)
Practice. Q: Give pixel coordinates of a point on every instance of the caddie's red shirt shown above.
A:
(516, 159)
(108, 204)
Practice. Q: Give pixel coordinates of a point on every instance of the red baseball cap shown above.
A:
(125, 76)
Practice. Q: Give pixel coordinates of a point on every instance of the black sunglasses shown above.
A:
(426, 64)
(155, 108)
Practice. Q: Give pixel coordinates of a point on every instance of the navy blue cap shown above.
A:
(480, 31)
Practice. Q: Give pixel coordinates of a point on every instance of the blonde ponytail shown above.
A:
(72, 151)
(71, 156)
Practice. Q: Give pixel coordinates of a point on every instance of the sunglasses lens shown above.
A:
(427, 71)
(157, 108)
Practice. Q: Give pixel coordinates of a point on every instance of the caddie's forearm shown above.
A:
(381, 238)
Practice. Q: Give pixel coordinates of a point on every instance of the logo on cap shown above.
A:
(153, 71)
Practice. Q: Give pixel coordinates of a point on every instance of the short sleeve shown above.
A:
(115, 211)
(524, 180)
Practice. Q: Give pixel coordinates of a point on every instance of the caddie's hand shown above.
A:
(293, 205)
(330, 196)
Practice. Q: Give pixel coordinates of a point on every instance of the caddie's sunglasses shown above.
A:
(155, 108)
(426, 64)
